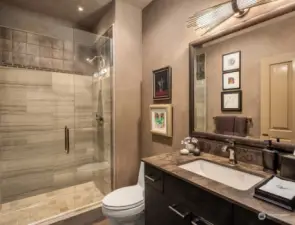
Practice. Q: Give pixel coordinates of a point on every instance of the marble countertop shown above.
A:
(169, 163)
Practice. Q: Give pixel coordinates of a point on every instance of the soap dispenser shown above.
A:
(287, 166)
(269, 158)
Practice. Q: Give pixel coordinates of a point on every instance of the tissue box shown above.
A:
(273, 185)
(287, 166)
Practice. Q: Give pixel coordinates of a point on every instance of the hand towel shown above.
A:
(241, 126)
(224, 125)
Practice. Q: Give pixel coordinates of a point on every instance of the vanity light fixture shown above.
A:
(212, 17)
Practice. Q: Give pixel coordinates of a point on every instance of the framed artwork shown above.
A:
(161, 119)
(231, 80)
(200, 67)
(231, 101)
(162, 83)
(231, 61)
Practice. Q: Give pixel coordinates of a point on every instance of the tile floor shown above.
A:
(39, 207)
(105, 222)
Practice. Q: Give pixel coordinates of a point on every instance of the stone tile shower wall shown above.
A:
(26, 49)
(35, 107)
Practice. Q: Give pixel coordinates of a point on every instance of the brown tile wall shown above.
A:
(25, 49)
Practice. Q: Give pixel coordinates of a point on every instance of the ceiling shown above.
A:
(140, 3)
(67, 9)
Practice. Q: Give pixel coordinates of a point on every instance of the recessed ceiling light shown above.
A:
(80, 9)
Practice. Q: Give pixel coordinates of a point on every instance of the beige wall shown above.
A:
(165, 42)
(127, 90)
(271, 40)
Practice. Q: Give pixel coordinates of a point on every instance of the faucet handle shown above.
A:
(231, 141)
(224, 148)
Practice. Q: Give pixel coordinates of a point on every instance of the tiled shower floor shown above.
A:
(37, 208)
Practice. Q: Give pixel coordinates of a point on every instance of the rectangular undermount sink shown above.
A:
(222, 174)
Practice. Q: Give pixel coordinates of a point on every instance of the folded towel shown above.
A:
(224, 125)
(279, 187)
(241, 126)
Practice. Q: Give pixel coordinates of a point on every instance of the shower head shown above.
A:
(90, 60)
(101, 60)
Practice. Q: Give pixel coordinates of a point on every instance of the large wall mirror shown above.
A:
(244, 84)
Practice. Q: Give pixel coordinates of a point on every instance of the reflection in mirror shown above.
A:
(200, 93)
(253, 97)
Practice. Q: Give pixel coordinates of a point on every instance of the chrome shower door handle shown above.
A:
(68, 151)
(67, 140)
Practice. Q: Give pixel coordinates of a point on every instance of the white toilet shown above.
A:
(125, 206)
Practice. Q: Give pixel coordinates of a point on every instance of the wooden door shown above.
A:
(277, 97)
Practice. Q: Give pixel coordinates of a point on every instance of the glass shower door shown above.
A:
(26, 133)
(64, 117)
(102, 124)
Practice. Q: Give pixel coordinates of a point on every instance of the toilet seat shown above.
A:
(124, 199)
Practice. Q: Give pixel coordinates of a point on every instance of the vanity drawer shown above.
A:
(200, 202)
(244, 216)
(154, 177)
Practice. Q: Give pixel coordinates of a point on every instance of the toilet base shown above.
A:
(134, 220)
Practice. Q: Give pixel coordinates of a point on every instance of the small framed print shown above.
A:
(231, 101)
(231, 61)
(231, 80)
(161, 119)
(162, 83)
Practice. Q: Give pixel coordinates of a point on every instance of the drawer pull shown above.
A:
(262, 216)
(182, 215)
(199, 222)
(151, 179)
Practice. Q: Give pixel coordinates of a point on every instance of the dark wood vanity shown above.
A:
(177, 197)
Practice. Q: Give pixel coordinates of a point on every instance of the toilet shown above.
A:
(125, 206)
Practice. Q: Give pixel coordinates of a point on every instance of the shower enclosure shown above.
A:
(55, 124)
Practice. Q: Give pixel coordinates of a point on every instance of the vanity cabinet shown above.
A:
(243, 216)
(157, 211)
(172, 201)
(199, 202)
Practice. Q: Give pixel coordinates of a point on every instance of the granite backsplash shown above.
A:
(245, 154)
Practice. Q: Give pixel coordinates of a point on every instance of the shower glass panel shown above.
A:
(55, 121)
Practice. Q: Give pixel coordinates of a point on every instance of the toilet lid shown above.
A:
(124, 198)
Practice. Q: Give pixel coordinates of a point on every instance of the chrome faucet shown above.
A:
(231, 148)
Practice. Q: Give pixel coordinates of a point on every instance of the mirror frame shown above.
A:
(251, 142)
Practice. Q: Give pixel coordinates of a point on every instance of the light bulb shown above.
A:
(80, 9)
